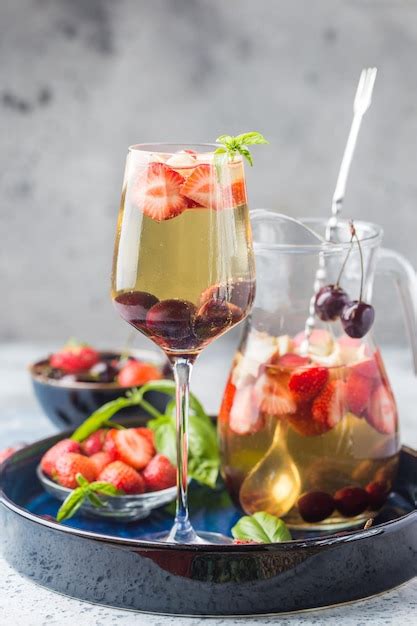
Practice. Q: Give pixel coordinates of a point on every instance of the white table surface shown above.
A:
(23, 603)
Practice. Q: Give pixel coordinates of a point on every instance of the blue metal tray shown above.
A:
(110, 563)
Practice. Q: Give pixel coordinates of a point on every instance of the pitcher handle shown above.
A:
(396, 266)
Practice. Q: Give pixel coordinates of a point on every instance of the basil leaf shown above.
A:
(164, 386)
(83, 482)
(204, 472)
(107, 489)
(233, 145)
(95, 500)
(203, 452)
(165, 436)
(224, 139)
(202, 439)
(250, 139)
(262, 527)
(100, 418)
(245, 153)
(71, 504)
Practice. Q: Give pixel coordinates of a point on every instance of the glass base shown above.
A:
(201, 538)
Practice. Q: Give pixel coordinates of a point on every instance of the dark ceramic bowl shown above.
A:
(114, 564)
(68, 404)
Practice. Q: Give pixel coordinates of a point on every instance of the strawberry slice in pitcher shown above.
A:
(382, 414)
(245, 417)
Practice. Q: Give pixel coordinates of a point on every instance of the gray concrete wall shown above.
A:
(82, 79)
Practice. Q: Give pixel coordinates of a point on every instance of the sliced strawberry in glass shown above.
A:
(157, 192)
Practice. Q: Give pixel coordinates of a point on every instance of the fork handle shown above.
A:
(340, 189)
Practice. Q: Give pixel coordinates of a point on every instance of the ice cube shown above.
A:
(181, 160)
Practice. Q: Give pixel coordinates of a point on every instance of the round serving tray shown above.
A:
(110, 563)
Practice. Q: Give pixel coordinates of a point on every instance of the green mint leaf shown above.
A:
(71, 504)
(262, 527)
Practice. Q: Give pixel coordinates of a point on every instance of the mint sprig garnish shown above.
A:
(86, 490)
(203, 451)
(231, 146)
(262, 527)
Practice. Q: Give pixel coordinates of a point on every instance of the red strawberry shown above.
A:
(69, 465)
(227, 402)
(6, 452)
(110, 443)
(382, 414)
(358, 393)
(328, 407)
(303, 423)
(378, 492)
(243, 542)
(134, 374)
(49, 459)
(100, 460)
(157, 192)
(239, 193)
(201, 186)
(367, 368)
(74, 358)
(123, 477)
(148, 434)
(289, 360)
(133, 448)
(272, 397)
(245, 417)
(159, 473)
(306, 383)
(94, 443)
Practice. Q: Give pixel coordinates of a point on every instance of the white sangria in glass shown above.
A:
(183, 270)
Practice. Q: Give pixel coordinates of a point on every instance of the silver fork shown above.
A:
(361, 104)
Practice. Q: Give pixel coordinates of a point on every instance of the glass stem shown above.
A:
(182, 531)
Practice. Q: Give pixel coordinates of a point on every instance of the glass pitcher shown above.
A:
(309, 429)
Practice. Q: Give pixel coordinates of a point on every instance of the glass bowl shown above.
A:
(117, 508)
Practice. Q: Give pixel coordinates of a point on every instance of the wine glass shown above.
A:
(183, 269)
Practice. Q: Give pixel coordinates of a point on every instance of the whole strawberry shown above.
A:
(123, 477)
(69, 465)
(100, 460)
(50, 458)
(94, 443)
(134, 374)
(159, 473)
(74, 357)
